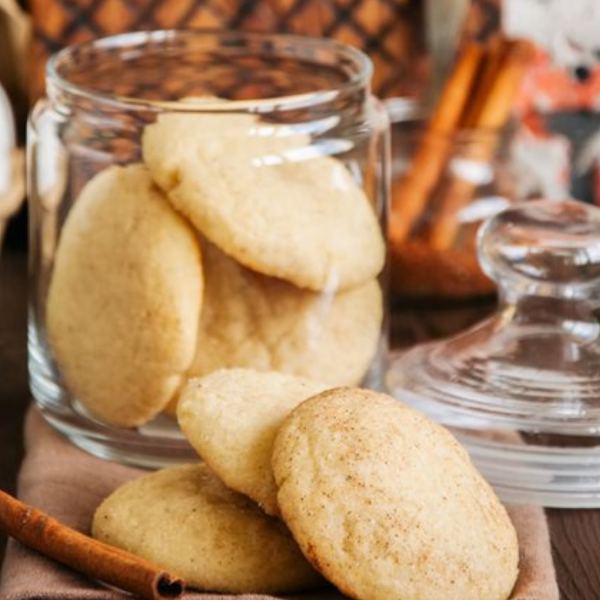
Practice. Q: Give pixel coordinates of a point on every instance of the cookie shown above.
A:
(386, 503)
(231, 417)
(267, 197)
(125, 298)
(266, 324)
(186, 521)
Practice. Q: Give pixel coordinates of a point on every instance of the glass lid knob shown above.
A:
(543, 247)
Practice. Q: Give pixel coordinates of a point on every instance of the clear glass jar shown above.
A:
(200, 200)
(443, 187)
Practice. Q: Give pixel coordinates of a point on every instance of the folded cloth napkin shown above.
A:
(68, 484)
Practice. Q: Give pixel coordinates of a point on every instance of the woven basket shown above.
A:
(390, 31)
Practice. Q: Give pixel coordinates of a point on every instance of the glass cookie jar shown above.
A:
(200, 200)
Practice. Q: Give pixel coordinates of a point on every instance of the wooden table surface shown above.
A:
(575, 533)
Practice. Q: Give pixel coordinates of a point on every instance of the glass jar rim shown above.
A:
(356, 80)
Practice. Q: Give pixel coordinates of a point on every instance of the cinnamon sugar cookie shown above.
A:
(267, 197)
(231, 417)
(186, 521)
(386, 503)
(266, 324)
(125, 297)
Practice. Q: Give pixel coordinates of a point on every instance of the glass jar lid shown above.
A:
(522, 388)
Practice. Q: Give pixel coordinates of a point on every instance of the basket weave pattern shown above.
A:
(390, 31)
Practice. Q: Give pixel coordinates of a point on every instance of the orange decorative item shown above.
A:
(557, 145)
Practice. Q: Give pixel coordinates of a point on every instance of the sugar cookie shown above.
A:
(186, 521)
(386, 503)
(266, 324)
(125, 297)
(231, 418)
(267, 197)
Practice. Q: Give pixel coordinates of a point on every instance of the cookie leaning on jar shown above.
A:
(385, 503)
(245, 408)
(324, 234)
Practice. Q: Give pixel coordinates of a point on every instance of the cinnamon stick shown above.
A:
(95, 559)
(491, 108)
(410, 196)
(494, 54)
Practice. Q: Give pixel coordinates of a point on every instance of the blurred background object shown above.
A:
(390, 31)
(12, 166)
(14, 51)
(14, 45)
(549, 144)
(557, 146)
(444, 25)
(456, 175)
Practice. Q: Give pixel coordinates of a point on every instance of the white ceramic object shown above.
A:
(7, 143)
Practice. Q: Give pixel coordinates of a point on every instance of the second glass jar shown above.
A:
(443, 187)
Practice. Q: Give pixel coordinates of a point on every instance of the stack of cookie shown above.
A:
(379, 500)
(236, 243)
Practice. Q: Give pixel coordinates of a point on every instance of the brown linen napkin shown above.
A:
(68, 484)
